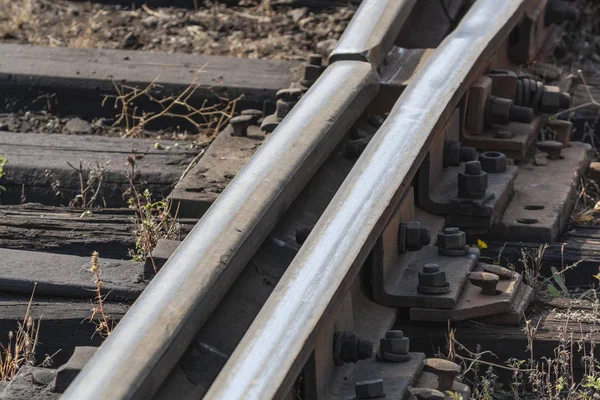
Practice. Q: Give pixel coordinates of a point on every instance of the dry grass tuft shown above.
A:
(206, 119)
(104, 323)
(21, 346)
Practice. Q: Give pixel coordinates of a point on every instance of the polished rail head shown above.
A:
(138, 355)
(271, 354)
(373, 30)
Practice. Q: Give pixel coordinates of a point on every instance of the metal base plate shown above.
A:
(544, 198)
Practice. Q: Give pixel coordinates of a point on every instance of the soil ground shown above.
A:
(251, 31)
(254, 31)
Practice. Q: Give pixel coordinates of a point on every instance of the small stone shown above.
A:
(540, 159)
(78, 125)
(72, 11)
(298, 13)
(43, 376)
(594, 171)
(130, 40)
(325, 47)
(150, 22)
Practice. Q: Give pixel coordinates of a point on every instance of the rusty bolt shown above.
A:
(455, 152)
(310, 73)
(394, 347)
(240, 124)
(315, 59)
(256, 114)
(348, 347)
(426, 394)
(451, 238)
(493, 162)
(394, 343)
(432, 280)
(416, 236)
(485, 280)
(473, 181)
(369, 389)
(501, 111)
(553, 100)
(445, 370)
(552, 147)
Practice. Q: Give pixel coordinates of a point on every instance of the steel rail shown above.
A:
(373, 30)
(136, 358)
(278, 343)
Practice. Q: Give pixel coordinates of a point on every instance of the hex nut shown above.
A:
(283, 108)
(432, 277)
(473, 182)
(553, 100)
(394, 346)
(369, 389)
(315, 59)
(311, 73)
(452, 153)
(451, 239)
(493, 162)
(349, 348)
(416, 236)
(497, 110)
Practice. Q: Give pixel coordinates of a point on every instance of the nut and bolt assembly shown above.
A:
(286, 100)
(493, 162)
(312, 69)
(501, 111)
(412, 237)
(455, 153)
(432, 280)
(445, 370)
(452, 242)
(394, 347)
(349, 348)
(473, 182)
(369, 389)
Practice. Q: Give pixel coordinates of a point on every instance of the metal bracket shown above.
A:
(438, 191)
